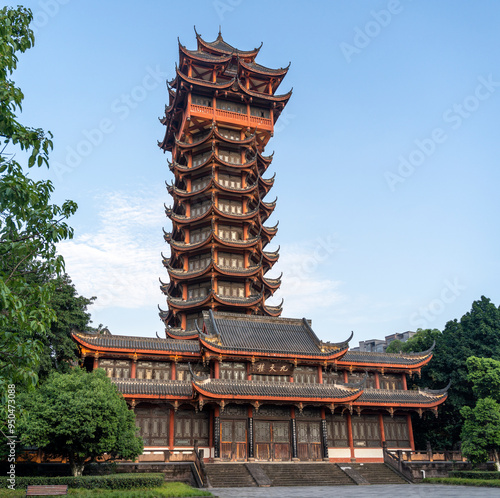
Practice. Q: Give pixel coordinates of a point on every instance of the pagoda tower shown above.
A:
(221, 114)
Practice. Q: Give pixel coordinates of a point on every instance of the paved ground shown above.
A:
(393, 491)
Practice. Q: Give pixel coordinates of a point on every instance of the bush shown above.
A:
(488, 483)
(117, 481)
(475, 474)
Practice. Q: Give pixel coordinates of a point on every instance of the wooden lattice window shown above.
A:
(270, 378)
(231, 106)
(391, 382)
(231, 411)
(366, 431)
(199, 262)
(199, 184)
(259, 112)
(182, 371)
(305, 375)
(230, 181)
(396, 432)
(200, 100)
(230, 260)
(230, 232)
(273, 412)
(152, 421)
(199, 235)
(231, 289)
(190, 427)
(336, 425)
(308, 412)
(232, 371)
(117, 369)
(199, 208)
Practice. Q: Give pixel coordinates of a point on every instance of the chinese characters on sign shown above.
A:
(268, 367)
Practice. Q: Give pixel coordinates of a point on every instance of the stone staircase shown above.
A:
(305, 474)
(229, 475)
(377, 473)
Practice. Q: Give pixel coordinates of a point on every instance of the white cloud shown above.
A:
(120, 261)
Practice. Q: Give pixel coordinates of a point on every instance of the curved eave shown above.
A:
(244, 272)
(289, 388)
(283, 99)
(184, 194)
(246, 165)
(236, 245)
(138, 351)
(227, 50)
(186, 146)
(203, 83)
(185, 221)
(206, 59)
(260, 70)
(246, 141)
(211, 344)
(432, 403)
(183, 336)
(240, 303)
(175, 274)
(246, 190)
(273, 310)
(180, 304)
(272, 257)
(386, 366)
(232, 216)
(183, 247)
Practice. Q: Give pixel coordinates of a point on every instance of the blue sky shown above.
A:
(386, 156)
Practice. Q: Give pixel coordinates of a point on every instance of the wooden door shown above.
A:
(309, 440)
(272, 440)
(233, 445)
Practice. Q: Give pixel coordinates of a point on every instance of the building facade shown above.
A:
(232, 377)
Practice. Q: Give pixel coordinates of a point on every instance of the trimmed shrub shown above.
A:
(116, 481)
(487, 483)
(475, 474)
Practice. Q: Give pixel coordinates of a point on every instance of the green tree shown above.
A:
(79, 416)
(30, 226)
(481, 429)
(59, 349)
(421, 341)
(477, 333)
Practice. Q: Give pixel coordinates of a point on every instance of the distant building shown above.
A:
(380, 345)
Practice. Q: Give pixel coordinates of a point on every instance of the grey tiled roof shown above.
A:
(264, 334)
(410, 397)
(156, 387)
(252, 389)
(139, 343)
(389, 358)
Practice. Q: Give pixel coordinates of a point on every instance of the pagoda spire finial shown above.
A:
(220, 34)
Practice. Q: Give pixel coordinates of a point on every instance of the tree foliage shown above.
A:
(30, 226)
(80, 416)
(477, 333)
(481, 429)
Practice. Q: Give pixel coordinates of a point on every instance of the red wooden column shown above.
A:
(96, 361)
(133, 369)
(349, 434)
(216, 373)
(405, 385)
(382, 431)
(377, 381)
(346, 377)
(320, 374)
(410, 432)
(173, 372)
(171, 430)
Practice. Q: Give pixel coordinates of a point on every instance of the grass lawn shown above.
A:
(171, 489)
(488, 483)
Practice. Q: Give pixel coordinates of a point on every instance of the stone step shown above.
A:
(377, 473)
(305, 474)
(229, 475)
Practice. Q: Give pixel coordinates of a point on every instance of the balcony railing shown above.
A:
(246, 119)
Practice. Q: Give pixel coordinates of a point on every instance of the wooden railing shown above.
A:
(233, 116)
(393, 459)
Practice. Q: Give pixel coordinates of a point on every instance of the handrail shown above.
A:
(397, 464)
(199, 466)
